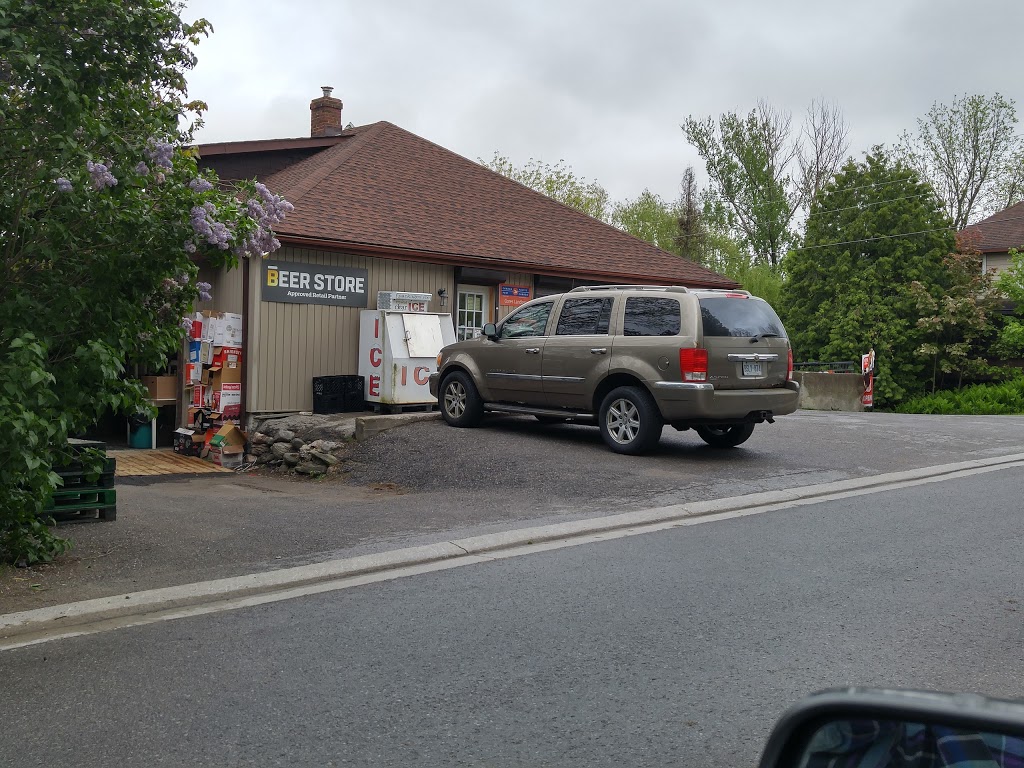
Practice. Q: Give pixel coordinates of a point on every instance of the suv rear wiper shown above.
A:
(760, 336)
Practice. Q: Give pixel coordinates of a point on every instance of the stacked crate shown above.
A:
(83, 495)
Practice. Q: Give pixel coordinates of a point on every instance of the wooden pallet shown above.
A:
(384, 408)
(80, 503)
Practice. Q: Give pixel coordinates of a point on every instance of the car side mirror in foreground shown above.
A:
(865, 728)
(490, 330)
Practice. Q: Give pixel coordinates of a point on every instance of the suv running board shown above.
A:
(552, 412)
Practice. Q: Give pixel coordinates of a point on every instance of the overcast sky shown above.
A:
(602, 85)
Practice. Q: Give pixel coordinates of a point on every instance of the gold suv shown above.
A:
(631, 358)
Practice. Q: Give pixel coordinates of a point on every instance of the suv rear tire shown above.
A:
(725, 435)
(630, 421)
(461, 405)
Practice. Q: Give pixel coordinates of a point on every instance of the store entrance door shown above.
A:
(473, 311)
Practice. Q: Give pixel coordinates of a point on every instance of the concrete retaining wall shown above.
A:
(830, 391)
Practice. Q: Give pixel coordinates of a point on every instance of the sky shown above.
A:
(603, 86)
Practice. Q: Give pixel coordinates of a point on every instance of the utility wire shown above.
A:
(892, 237)
(868, 205)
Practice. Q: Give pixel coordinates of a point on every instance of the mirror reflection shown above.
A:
(898, 744)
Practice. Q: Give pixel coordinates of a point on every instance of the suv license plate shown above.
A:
(752, 369)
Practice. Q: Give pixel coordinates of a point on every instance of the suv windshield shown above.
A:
(739, 317)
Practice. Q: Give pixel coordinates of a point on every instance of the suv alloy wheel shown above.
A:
(461, 405)
(630, 421)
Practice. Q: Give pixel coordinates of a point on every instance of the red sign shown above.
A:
(514, 295)
(868, 398)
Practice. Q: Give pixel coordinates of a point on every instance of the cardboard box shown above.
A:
(227, 357)
(194, 351)
(187, 443)
(229, 435)
(232, 329)
(206, 325)
(198, 396)
(161, 387)
(206, 352)
(225, 457)
(227, 446)
(218, 332)
(231, 400)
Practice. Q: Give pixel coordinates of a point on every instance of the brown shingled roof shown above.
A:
(998, 233)
(387, 189)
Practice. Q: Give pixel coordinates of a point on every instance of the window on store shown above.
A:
(470, 314)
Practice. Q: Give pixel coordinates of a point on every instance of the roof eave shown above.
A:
(268, 145)
(466, 260)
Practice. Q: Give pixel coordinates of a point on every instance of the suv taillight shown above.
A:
(693, 364)
(789, 366)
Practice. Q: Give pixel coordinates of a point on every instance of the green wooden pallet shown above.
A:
(101, 502)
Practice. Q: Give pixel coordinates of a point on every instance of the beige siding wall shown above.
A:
(226, 291)
(997, 262)
(289, 344)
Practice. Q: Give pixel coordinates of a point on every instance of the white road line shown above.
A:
(18, 630)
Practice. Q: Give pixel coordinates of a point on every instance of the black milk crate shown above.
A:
(337, 394)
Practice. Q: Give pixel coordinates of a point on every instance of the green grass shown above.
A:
(999, 399)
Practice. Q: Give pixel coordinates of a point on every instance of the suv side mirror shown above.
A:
(490, 330)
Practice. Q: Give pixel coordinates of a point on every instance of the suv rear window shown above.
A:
(739, 317)
(651, 317)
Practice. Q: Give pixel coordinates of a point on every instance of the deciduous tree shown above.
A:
(557, 181)
(971, 153)
(762, 172)
(876, 230)
(102, 213)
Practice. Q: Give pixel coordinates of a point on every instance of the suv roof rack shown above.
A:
(724, 290)
(667, 288)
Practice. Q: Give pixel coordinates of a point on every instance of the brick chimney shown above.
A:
(325, 114)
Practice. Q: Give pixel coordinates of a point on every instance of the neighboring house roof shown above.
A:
(998, 233)
(382, 189)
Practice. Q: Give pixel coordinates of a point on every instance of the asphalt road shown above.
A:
(673, 648)
(428, 482)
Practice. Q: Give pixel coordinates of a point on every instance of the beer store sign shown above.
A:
(296, 283)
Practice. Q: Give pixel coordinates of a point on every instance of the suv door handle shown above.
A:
(533, 351)
(599, 351)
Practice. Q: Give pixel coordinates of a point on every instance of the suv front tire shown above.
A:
(461, 404)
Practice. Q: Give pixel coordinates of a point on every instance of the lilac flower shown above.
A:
(200, 185)
(169, 284)
(159, 177)
(266, 210)
(142, 169)
(101, 175)
(186, 324)
(204, 291)
(63, 184)
(190, 247)
(160, 153)
(183, 279)
(203, 224)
